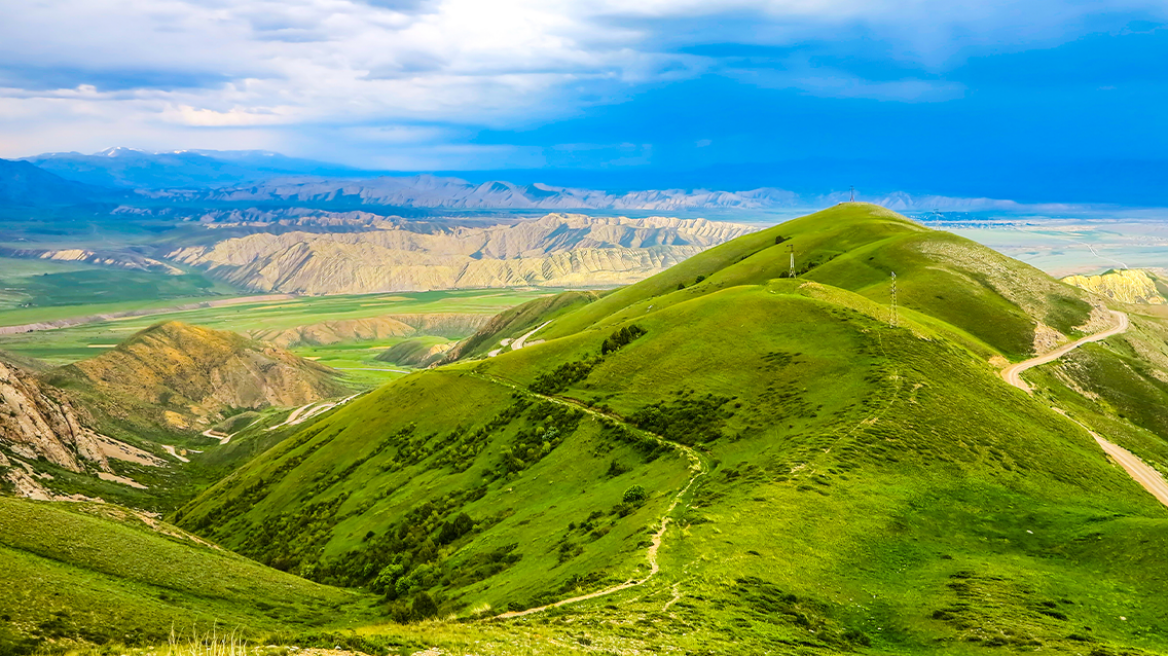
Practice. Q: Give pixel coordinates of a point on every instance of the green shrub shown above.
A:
(621, 337)
(635, 494)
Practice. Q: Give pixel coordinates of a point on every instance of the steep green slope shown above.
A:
(374, 495)
(102, 573)
(862, 485)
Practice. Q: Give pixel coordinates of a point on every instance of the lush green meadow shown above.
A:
(67, 345)
(768, 465)
(43, 290)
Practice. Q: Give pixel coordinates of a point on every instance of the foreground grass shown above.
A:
(104, 574)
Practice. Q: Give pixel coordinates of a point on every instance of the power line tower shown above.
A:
(892, 293)
(853, 199)
(791, 271)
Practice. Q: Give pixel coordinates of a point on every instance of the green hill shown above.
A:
(193, 374)
(100, 573)
(416, 352)
(861, 486)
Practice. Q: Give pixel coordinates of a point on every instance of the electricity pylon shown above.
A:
(893, 319)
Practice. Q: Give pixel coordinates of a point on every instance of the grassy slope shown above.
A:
(856, 247)
(47, 285)
(518, 320)
(531, 510)
(412, 352)
(99, 573)
(870, 485)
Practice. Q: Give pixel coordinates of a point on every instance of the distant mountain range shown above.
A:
(206, 178)
(357, 257)
(428, 191)
(140, 169)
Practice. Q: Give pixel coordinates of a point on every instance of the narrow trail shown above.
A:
(216, 435)
(697, 467)
(170, 449)
(521, 341)
(518, 342)
(310, 410)
(1144, 474)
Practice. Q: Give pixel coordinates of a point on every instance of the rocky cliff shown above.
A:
(38, 422)
(556, 250)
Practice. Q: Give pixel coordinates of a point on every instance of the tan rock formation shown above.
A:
(36, 422)
(556, 250)
(1127, 286)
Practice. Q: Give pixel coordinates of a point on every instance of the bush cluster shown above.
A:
(620, 338)
(687, 420)
(563, 376)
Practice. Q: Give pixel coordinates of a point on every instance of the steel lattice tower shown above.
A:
(892, 294)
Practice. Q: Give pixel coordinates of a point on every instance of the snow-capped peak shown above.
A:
(118, 150)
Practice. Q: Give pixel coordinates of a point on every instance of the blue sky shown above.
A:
(1039, 101)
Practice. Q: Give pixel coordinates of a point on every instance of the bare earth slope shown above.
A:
(1125, 285)
(198, 371)
(557, 250)
(445, 324)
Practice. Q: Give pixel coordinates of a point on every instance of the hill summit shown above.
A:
(199, 372)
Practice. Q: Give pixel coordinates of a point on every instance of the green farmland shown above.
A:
(66, 345)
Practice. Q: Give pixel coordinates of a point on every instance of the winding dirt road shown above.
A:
(521, 341)
(310, 410)
(697, 467)
(1145, 475)
(1013, 373)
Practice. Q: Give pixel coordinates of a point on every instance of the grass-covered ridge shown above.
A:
(101, 573)
(869, 488)
(855, 246)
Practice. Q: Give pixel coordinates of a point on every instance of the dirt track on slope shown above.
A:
(1145, 475)
(697, 467)
(1013, 373)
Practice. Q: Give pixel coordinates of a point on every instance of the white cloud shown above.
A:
(158, 70)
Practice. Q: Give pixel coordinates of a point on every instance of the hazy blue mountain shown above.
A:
(25, 185)
(141, 169)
